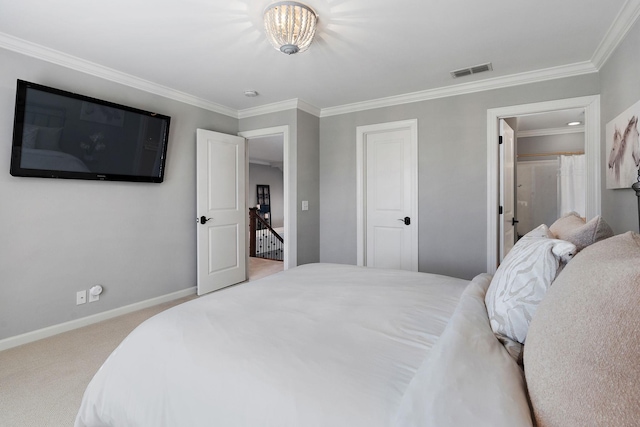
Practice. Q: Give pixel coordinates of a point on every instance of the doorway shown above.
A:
(550, 167)
(289, 214)
(265, 199)
(591, 107)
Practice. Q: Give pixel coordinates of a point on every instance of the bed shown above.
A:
(338, 345)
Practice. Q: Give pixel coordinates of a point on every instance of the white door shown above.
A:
(507, 190)
(221, 210)
(390, 196)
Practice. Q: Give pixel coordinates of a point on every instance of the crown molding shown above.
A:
(467, 88)
(60, 58)
(550, 131)
(268, 108)
(617, 32)
(290, 104)
(308, 108)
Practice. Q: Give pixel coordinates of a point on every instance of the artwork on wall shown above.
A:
(623, 149)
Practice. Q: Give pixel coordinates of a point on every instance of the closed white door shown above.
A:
(390, 196)
(507, 189)
(221, 210)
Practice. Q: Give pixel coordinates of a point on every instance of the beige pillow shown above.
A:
(582, 356)
(574, 229)
(521, 281)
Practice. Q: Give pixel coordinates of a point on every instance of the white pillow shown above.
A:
(29, 136)
(41, 137)
(522, 280)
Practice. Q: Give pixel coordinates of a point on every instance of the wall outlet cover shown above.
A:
(81, 297)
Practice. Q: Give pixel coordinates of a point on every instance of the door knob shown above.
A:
(514, 221)
(406, 220)
(203, 219)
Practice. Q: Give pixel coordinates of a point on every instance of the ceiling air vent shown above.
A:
(472, 70)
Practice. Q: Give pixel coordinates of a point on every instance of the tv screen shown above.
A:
(59, 134)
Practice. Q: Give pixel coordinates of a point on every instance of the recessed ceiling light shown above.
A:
(574, 123)
(250, 93)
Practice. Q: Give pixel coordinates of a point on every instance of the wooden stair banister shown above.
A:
(254, 220)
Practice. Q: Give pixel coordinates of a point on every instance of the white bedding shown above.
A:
(468, 379)
(318, 345)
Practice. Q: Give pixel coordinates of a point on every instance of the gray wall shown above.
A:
(267, 175)
(308, 188)
(452, 135)
(304, 130)
(620, 89)
(61, 236)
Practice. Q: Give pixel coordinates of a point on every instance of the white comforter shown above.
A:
(318, 345)
(468, 379)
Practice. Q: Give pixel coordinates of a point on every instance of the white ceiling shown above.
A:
(555, 120)
(365, 50)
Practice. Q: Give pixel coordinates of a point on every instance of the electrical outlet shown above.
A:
(81, 297)
(93, 298)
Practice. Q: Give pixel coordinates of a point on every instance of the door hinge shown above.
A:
(500, 140)
(500, 210)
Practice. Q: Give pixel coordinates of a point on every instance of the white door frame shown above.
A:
(591, 105)
(361, 201)
(289, 172)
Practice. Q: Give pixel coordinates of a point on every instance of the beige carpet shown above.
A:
(42, 383)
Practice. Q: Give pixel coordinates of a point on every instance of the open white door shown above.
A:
(221, 210)
(507, 189)
(388, 153)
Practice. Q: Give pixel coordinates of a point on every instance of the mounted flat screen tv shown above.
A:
(59, 134)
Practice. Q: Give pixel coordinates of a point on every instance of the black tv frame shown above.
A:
(18, 130)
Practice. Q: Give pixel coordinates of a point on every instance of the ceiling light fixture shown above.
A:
(250, 93)
(574, 123)
(290, 26)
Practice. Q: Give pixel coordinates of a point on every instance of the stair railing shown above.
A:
(264, 241)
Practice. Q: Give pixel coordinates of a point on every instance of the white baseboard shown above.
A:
(49, 331)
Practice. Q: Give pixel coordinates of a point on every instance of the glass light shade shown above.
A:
(290, 26)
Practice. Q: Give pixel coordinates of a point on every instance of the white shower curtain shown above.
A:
(571, 186)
